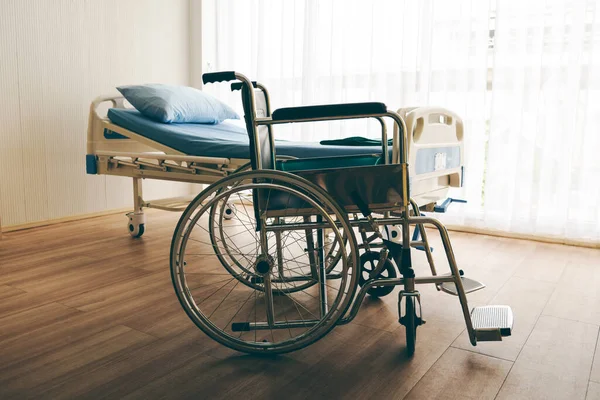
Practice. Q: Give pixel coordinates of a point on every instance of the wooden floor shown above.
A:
(88, 312)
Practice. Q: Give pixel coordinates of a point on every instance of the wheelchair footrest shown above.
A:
(470, 285)
(492, 323)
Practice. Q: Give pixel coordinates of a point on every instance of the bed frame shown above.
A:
(113, 150)
(436, 136)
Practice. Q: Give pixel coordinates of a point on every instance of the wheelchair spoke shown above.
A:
(213, 293)
(224, 298)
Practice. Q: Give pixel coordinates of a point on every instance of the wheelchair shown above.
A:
(267, 260)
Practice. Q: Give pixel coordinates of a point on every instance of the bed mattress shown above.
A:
(227, 139)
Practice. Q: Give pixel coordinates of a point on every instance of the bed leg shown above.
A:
(136, 223)
(137, 195)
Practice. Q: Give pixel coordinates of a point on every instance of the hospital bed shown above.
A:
(266, 259)
(123, 142)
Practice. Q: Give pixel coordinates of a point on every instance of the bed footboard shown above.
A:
(435, 152)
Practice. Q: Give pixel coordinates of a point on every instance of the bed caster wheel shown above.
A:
(368, 263)
(136, 224)
(136, 231)
(229, 211)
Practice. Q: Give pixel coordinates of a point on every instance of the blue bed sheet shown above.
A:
(228, 139)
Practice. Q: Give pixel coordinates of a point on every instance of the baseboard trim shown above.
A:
(534, 238)
(37, 224)
(455, 228)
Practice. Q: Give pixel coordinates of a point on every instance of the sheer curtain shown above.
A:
(543, 165)
(523, 76)
(315, 52)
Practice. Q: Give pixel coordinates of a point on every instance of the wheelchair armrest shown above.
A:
(328, 111)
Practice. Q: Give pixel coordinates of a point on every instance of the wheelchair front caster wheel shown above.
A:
(368, 263)
(411, 320)
(410, 323)
(136, 224)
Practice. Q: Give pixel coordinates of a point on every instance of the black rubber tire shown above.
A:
(410, 323)
(140, 231)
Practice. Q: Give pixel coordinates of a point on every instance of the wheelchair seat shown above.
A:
(276, 200)
(377, 184)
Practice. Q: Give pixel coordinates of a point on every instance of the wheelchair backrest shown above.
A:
(264, 136)
(264, 143)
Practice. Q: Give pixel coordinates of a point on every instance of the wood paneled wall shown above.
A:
(55, 57)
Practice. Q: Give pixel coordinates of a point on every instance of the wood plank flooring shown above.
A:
(88, 312)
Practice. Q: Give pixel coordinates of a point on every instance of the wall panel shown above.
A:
(12, 183)
(57, 56)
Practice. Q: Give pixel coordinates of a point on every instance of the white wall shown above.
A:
(55, 57)
(196, 67)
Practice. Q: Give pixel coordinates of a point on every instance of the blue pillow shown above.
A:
(177, 104)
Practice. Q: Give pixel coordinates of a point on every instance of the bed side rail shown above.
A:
(161, 166)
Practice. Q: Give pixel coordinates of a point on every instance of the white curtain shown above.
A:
(543, 165)
(523, 75)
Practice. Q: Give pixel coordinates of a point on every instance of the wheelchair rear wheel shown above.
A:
(279, 295)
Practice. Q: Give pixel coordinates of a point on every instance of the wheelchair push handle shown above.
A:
(226, 76)
(223, 76)
(238, 85)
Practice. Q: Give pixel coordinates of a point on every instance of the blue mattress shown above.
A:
(228, 139)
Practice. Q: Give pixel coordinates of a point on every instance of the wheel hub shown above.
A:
(263, 264)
